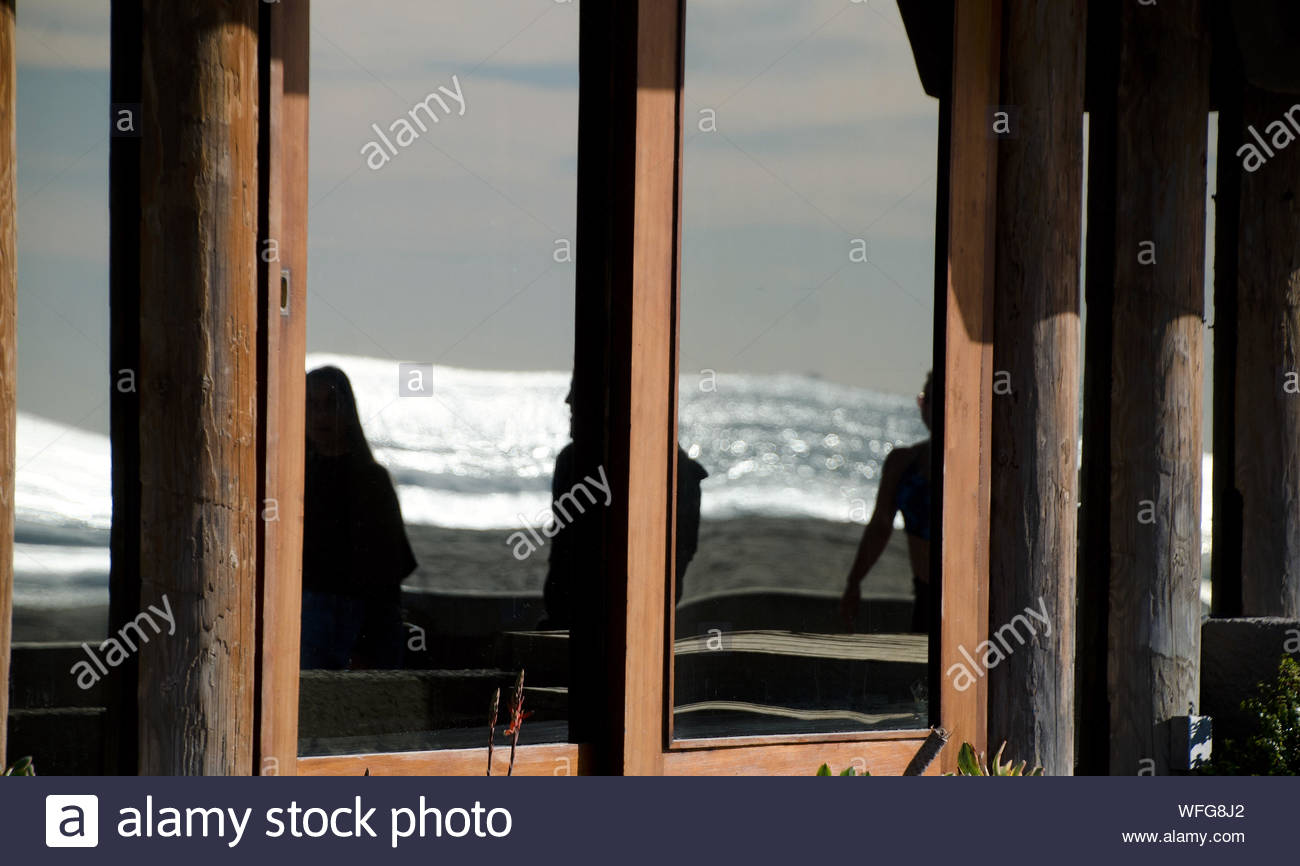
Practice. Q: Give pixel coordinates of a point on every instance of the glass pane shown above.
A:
(440, 342)
(63, 496)
(804, 495)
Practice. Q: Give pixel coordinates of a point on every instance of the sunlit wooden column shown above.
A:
(967, 377)
(1267, 376)
(283, 255)
(198, 383)
(8, 346)
(1161, 108)
(1036, 393)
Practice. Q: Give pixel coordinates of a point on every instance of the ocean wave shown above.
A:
(479, 453)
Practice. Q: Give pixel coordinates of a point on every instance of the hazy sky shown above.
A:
(447, 252)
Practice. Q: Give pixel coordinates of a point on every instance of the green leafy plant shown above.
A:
(24, 767)
(1272, 747)
(825, 770)
(970, 764)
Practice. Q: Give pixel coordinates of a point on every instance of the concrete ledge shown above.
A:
(1237, 655)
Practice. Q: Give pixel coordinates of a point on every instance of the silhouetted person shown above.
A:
(905, 487)
(355, 553)
(565, 550)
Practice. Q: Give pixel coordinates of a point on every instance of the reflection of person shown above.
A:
(563, 563)
(355, 553)
(905, 487)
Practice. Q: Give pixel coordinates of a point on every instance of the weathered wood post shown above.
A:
(1036, 383)
(1267, 392)
(8, 346)
(198, 384)
(1159, 141)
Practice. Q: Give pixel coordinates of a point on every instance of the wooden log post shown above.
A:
(1267, 375)
(198, 384)
(1161, 110)
(1036, 384)
(8, 346)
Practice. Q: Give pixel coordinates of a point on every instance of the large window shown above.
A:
(62, 668)
(440, 495)
(804, 590)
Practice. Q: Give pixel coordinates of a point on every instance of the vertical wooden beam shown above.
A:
(1035, 426)
(1267, 429)
(8, 345)
(649, 379)
(626, 283)
(198, 388)
(968, 363)
(1162, 105)
(283, 324)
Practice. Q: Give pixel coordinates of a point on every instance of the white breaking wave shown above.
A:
(479, 454)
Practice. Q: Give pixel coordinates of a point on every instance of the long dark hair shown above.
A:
(345, 408)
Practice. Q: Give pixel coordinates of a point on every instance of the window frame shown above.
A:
(629, 192)
(627, 293)
(964, 318)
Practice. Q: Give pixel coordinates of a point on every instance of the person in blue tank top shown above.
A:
(904, 487)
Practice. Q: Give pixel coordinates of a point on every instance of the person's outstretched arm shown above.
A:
(875, 536)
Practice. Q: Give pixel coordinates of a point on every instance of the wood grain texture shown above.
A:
(650, 381)
(551, 760)
(1035, 428)
(286, 347)
(198, 384)
(1267, 430)
(879, 757)
(968, 366)
(865, 737)
(8, 345)
(1162, 104)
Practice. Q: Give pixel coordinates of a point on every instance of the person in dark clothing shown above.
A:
(905, 488)
(355, 550)
(565, 553)
(689, 475)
